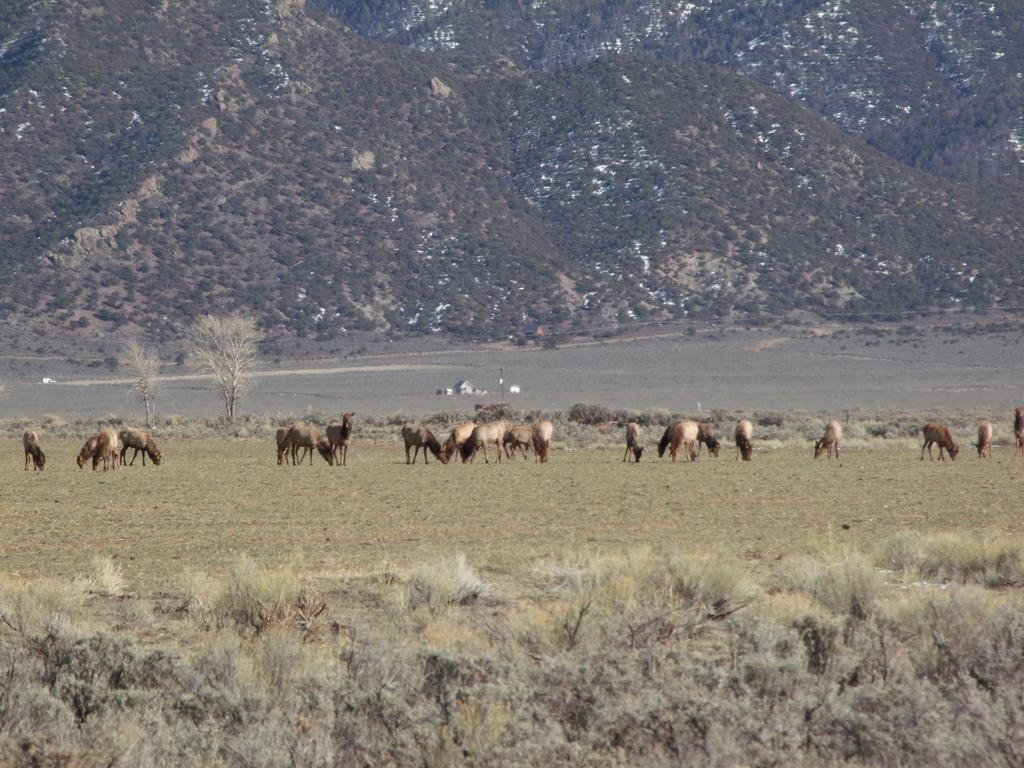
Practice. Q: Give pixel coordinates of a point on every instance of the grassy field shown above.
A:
(214, 500)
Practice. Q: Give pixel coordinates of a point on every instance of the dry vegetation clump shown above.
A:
(635, 658)
(940, 558)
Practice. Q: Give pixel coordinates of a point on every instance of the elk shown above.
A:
(483, 435)
(682, 433)
(339, 438)
(984, 444)
(744, 439)
(142, 441)
(543, 431)
(420, 437)
(284, 446)
(517, 438)
(104, 446)
(33, 453)
(1018, 429)
(634, 436)
(458, 436)
(706, 436)
(829, 442)
(938, 434)
(308, 438)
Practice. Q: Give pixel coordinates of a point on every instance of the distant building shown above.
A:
(514, 389)
(533, 331)
(464, 387)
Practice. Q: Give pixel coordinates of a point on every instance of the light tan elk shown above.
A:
(419, 437)
(940, 435)
(634, 442)
(142, 441)
(517, 438)
(681, 434)
(984, 444)
(483, 435)
(308, 438)
(744, 439)
(830, 440)
(543, 431)
(33, 453)
(458, 436)
(339, 438)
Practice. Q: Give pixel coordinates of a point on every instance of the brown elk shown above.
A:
(418, 437)
(517, 438)
(1018, 429)
(940, 435)
(543, 431)
(339, 438)
(706, 436)
(744, 439)
(104, 446)
(984, 444)
(284, 446)
(829, 442)
(142, 441)
(483, 435)
(682, 433)
(308, 438)
(634, 438)
(457, 438)
(33, 453)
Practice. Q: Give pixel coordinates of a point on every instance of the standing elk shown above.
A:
(491, 433)
(682, 433)
(984, 444)
(634, 436)
(339, 438)
(940, 435)
(457, 438)
(420, 437)
(142, 441)
(33, 453)
(517, 438)
(1018, 428)
(830, 440)
(744, 439)
(543, 431)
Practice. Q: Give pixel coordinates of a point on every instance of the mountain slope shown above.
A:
(160, 162)
(939, 86)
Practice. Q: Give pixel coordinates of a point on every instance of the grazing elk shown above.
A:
(940, 435)
(1018, 429)
(517, 438)
(457, 438)
(308, 438)
(284, 446)
(682, 433)
(543, 431)
(418, 437)
(744, 439)
(339, 438)
(830, 440)
(634, 436)
(33, 453)
(984, 444)
(706, 436)
(104, 446)
(483, 435)
(142, 441)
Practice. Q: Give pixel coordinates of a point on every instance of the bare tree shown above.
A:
(145, 368)
(225, 347)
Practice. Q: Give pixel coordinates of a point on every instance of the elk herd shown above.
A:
(299, 440)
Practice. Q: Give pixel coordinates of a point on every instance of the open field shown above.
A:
(221, 610)
(213, 500)
(772, 370)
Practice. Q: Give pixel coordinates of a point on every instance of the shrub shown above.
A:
(107, 578)
(444, 583)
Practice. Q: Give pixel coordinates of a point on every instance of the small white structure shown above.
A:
(514, 389)
(48, 380)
